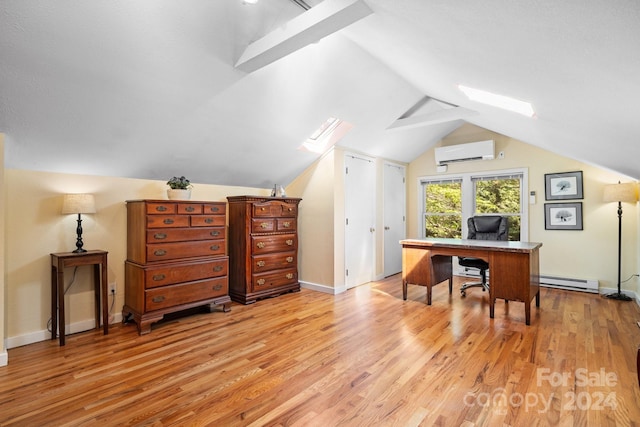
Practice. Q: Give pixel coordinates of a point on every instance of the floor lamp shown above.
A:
(627, 192)
(79, 204)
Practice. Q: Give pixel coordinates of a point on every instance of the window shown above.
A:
(443, 208)
(449, 201)
(500, 195)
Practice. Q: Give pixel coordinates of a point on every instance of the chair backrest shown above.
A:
(488, 227)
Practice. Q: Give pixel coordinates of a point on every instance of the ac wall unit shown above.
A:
(481, 150)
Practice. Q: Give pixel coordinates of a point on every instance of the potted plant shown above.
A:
(179, 188)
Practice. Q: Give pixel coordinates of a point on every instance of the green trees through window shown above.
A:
(445, 207)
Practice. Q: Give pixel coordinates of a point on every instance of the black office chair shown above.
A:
(486, 227)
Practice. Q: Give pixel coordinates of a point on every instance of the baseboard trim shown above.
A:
(4, 358)
(43, 335)
(321, 288)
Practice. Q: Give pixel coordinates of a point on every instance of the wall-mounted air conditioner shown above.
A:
(481, 150)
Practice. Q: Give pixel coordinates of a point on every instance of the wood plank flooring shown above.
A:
(361, 358)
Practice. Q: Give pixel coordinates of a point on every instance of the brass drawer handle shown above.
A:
(289, 259)
(168, 221)
(290, 209)
(160, 252)
(161, 208)
(217, 268)
(214, 233)
(262, 209)
(189, 209)
(208, 220)
(260, 245)
(260, 282)
(217, 287)
(160, 236)
(286, 224)
(261, 263)
(158, 299)
(289, 242)
(158, 277)
(215, 247)
(289, 276)
(264, 225)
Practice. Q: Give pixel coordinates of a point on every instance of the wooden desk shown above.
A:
(59, 261)
(515, 267)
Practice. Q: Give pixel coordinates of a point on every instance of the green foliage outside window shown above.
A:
(444, 207)
(443, 216)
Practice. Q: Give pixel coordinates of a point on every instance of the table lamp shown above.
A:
(627, 192)
(79, 204)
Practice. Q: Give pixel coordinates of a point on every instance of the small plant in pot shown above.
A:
(179, 188)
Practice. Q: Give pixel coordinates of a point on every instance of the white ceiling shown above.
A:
(149, 88)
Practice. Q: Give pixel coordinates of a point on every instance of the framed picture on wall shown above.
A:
(563, 186)
(563, 216)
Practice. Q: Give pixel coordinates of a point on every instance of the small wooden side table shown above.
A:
(59, 261)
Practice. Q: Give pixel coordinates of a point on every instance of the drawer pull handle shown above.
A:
(289, 259)
(217, 268)
(215, 247)
(161, 208)
(217, 287)
(189, 209)
(262, 209)
(260, 282)
(208, 220)
(289, 242)
(160, 236)
(290, 209)
(261, 263)
(289, 276)
(158, 299)
(168, 221)
(158, 277)
(286, 224)
(160, 252)
(215, 233)
(264, 225)
(260, 245)
(215, 209)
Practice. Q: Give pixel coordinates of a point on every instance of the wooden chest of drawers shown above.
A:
(263, 247)
(176, 259)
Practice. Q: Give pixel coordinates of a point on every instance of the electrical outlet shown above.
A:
(112, 288)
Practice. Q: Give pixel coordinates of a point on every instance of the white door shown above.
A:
(394, 193)
(360, 184)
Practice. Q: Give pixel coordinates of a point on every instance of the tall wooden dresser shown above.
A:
(263, 248)
(176, 259)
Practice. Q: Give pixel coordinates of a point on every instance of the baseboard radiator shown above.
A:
(569, 284)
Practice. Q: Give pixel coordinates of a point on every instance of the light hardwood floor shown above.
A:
(361, 358)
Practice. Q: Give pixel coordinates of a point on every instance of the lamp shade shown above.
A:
(78, 204)
(627, 192)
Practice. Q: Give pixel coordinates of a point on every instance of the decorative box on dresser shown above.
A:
(263, 247)
(176, 259)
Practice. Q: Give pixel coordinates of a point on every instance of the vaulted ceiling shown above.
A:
(156, 88)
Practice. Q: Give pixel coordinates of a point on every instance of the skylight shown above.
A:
(322, 138)
(500, 101)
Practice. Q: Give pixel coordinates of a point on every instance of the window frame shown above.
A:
(468, 196)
